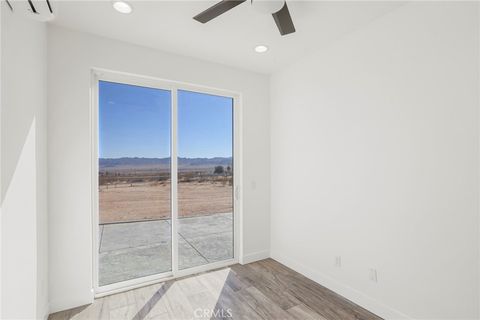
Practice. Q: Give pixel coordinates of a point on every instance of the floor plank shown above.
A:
(261, 290)
(302, 312)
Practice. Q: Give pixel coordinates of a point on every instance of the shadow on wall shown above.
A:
(19, 221)
(18, 161)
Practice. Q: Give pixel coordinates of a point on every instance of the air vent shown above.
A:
(32, 7)
(41, 10)
(9, 5)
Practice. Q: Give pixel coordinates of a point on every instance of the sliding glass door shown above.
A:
(134, 189)
(164, 171)
(205, 178)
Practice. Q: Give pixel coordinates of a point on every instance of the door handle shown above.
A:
(237, 192)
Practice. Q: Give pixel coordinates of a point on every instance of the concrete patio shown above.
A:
(138, 249)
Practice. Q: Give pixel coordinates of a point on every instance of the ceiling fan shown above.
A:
(281, 15)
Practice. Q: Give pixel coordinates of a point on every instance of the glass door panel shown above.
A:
(205, 179)
(134, 182)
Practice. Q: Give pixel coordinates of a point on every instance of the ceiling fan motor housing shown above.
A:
(267, 6)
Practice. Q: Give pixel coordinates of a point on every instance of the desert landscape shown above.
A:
(138, 189)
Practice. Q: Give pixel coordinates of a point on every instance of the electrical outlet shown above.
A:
(373, 275)
(338, 261)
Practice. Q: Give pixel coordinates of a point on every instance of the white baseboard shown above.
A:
(61, 305)
(256, 256)
(346, 291)
(45, 312)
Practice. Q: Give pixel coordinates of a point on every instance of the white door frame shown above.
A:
(172, 86)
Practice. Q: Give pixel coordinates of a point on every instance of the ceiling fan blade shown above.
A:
(284, 20)
(216, 10)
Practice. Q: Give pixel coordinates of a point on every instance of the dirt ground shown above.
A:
(147, 201)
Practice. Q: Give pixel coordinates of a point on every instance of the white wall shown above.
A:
(374, 153)
(71, 55)
(24, 254)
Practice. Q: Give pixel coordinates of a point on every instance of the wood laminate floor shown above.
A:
(261, 290)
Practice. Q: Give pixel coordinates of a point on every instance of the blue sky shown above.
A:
(135, 122)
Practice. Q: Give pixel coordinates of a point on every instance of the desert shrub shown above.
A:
(219, 170)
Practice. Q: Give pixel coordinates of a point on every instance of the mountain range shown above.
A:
(162, 163)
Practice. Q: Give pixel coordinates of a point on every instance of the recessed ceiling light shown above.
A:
(261, 49)
(122, 7)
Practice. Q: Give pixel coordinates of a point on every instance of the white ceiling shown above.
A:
(228, 39)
